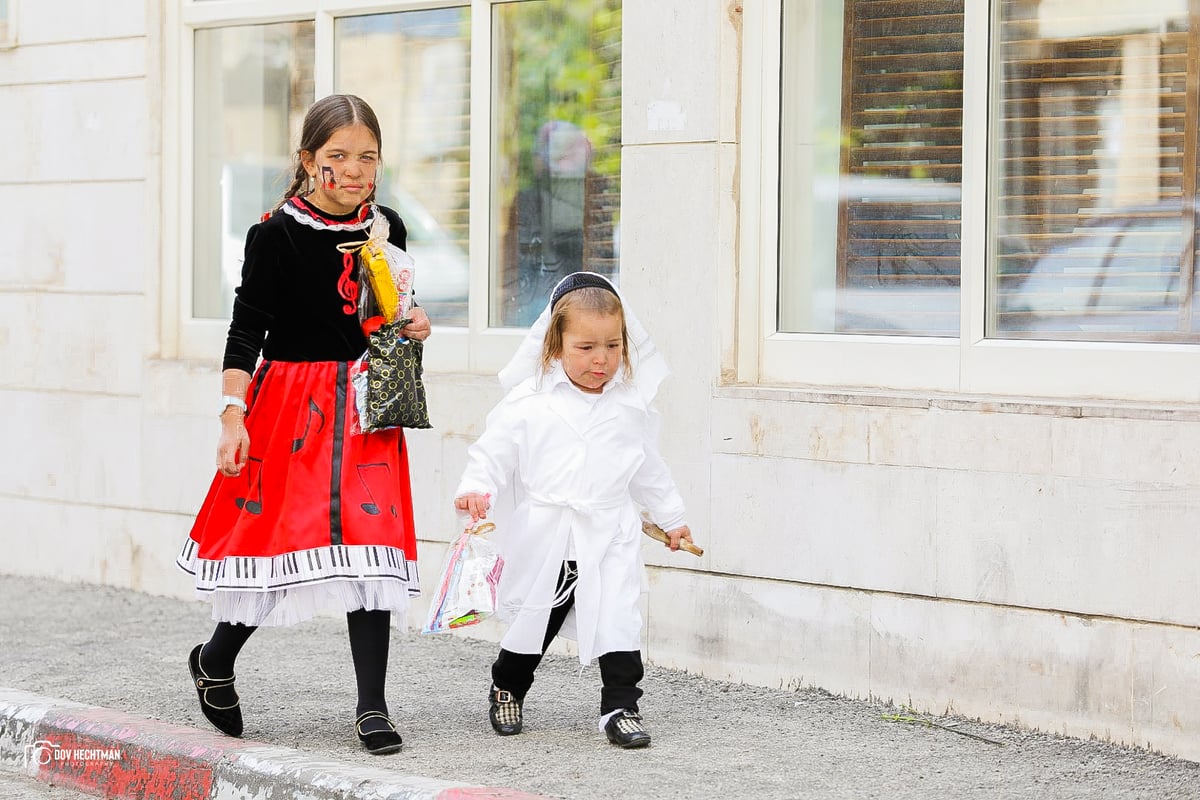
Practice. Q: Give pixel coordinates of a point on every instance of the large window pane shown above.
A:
(1095, 171)
(556, 149)
(871, 166)
(253, 86)
(414, 69)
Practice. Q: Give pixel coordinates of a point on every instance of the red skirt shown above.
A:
(317, 503)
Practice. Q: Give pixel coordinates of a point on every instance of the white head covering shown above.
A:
(649, 366)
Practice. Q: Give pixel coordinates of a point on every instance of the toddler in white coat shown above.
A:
(574, 444)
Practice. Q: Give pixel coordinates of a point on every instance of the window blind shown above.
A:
(901, 167)
(1094, 176)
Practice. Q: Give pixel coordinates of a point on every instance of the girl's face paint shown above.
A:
(346, 165)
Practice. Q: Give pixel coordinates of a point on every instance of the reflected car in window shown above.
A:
(443, 270)
(1115, 276)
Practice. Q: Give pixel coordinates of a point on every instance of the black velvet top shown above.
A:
(297, 299)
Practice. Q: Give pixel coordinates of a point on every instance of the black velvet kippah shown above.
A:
(579, 280)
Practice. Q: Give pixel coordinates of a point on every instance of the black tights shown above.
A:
(620, 672)
(370, 635)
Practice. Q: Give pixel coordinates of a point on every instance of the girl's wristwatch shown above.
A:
(231, 400)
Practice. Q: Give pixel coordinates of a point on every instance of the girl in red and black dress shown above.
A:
(303, 512)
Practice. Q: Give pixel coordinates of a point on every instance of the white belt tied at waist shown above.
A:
(583, 507)
(585, 573)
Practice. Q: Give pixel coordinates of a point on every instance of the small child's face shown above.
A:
(592, 350)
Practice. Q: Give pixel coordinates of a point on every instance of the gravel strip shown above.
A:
(712, 739)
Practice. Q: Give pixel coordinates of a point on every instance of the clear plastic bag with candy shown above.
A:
(466, 593)
(389, 391)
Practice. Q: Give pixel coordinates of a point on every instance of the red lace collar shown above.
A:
(307, 214)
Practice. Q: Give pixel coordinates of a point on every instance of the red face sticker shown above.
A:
(327, 177)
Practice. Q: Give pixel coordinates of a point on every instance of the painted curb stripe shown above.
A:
(118, 755)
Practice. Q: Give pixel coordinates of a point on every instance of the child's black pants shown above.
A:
(620, 672)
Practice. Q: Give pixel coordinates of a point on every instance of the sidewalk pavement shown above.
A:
(16, 784)
(100, 674)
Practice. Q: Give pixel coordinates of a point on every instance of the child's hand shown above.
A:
(474, 504)
(419, 327)
(233, 449)
(682, 533)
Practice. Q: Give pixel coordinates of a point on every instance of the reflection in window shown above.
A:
(253, 86)
(871, 165)
(7, 32)
(1094, 228)
(413, 68)
(556, 150)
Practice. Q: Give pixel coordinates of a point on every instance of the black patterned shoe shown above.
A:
(625, 729)
(378, 742)
(226, 718)
(505, 712)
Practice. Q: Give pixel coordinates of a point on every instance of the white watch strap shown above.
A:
(230, 400)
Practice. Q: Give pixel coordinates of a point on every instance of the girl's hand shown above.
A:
(474, 504)
(419, 328)
(682, 533)
(233, 450)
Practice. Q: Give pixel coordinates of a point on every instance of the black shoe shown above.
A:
(505, 712)
(226, 719)
(625, 729)
(381, 742)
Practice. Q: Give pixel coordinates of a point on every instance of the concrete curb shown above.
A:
(118, 755)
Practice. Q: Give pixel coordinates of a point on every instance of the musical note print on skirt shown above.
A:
(314, 503)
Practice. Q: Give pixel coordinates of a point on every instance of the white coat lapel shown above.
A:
(581, 413)
(604, 412)
(570, 410)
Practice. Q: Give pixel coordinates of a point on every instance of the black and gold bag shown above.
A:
(395, 392)
(387, 379)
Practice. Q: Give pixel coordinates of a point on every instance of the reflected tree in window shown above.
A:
(556, 149)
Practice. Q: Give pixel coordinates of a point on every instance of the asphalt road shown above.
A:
(712, 739)
(14, 786)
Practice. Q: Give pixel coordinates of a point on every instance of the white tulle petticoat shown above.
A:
(295, 604)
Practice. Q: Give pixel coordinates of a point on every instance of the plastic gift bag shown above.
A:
(387, 271)
(466, 593)
(388, 383)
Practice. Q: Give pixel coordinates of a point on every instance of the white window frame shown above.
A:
(475, 348)
(970, 364)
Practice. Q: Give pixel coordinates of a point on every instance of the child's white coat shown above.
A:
(575, 464)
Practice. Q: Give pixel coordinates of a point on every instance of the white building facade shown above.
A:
(924, 271)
